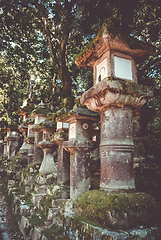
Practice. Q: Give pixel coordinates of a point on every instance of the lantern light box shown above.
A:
(113, 56)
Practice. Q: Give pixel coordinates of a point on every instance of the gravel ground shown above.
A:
(7, 222)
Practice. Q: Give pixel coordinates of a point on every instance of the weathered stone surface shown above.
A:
(22, 128)
(115, 93)
(48, 165)
(114, 100)
(63, 176)
(116, 149)
(110, 39)
(36, 198)
(5, 236)
(38, 153)
(47, 179)
(25, 227)
(24, 209)
(36, 235)
(5, 148)
(12, 143)
(79, 167)
(78, 230)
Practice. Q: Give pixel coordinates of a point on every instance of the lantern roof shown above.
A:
(110, 38)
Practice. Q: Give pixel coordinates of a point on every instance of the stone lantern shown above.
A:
(48, 165)
(63, 176)
(115, 95)
(24, 112)
(80, 145)
(40, 114)
(12, 140)
(30, 139)
(48, 171)
(22, 128)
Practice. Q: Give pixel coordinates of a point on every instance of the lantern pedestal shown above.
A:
(5, 148)
(79, 166)
(12, 142)
(115, 101)
(30, 141)
(48, 164)
(63, 176)
(38, 153)
(25, 147)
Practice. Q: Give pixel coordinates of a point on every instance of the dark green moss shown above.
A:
(27, 199)
(29, 140)
(55, 232)
(100, 207)
(40, 111)
(29, 108)
(19, 162)
(29, 121)
(58, 136)
(37, 219)
(48, 124)
(18, 190)
(32, 168)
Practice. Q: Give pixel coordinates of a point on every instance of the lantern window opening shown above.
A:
(101, 69)
(122, 68)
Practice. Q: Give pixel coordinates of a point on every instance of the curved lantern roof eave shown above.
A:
(106, 41)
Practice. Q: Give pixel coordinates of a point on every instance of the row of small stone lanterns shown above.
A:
(114, 96)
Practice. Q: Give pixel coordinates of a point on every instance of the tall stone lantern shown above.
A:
(48, 165)
(12, 139)
(22, 128)
(79, 145)
(30, 138)
(40, 114)
(115, 94)
(61, 135)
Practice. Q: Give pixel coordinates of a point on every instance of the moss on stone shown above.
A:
(27, 199)
(59, 136)
(48, 124)
(37, 219)
(117, 210)
(132, 42)
(29, 140)
(19, 162)
(18, 190)
(55, 232)
(32, 168)
(29, 121)
(40, 111)
(29, 108)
